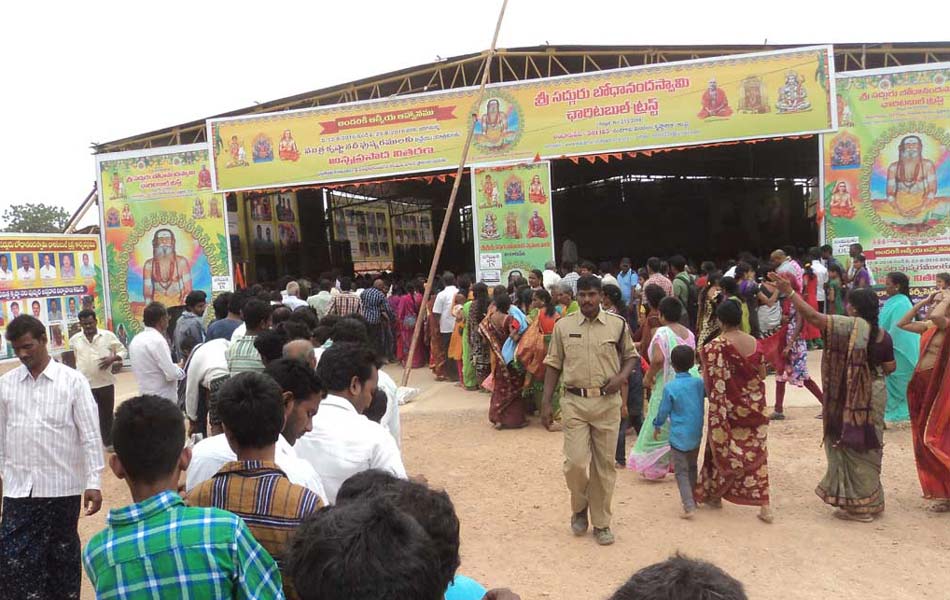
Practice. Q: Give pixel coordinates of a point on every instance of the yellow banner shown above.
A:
(692, 102)
(53, 278)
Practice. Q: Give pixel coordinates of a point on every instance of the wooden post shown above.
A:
(433, 268)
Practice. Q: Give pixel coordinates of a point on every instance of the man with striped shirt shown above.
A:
(254, 487)
(242, 356)
(158, 547)
(50, 464)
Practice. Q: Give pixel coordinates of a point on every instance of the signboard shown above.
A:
(886, 172)
(512, 220)
(766, 94)
(51, 277)
(165, 229)
(275, 220)
(366, 226)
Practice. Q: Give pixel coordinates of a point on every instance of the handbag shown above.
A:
(531, 351)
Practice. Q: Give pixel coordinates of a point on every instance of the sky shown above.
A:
(75, 73)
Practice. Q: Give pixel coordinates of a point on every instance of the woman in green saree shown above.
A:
(857, 356)
(906, 347)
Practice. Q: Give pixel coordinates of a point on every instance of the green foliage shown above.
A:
(35, 218)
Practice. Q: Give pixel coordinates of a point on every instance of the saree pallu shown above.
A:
(478, 348)
(853, 416)
(469, 379)
(650, 457)
(928, 396)
(906, 351)
(708, 323)
(735, 467)
(507, 407)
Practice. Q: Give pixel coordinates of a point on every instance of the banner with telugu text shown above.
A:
(512, 220)
(745, 96)
(51, 277)
(164, 228)
(886, 172)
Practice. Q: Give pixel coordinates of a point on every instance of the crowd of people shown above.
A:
(263, 452)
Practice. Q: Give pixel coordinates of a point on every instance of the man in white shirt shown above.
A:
(50, 465)
(550, 278)
(821, 274)
(320, 302)
(6, 272)
(343, 442)
(442, 309)
(26, 272)
(47, 270)
(302, 395)
(292, 300)
(99, 355)
(206, 371)
(152, 357)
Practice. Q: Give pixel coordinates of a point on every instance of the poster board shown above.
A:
(52, 277)
(165, 230)
(726, 98)
(886, 171)
(512, 219)
(367, 228)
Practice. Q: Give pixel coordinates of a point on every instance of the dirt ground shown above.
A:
(513, 505)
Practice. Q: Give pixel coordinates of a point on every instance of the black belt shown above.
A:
(587, 392)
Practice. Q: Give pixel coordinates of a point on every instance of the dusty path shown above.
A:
(512, 502)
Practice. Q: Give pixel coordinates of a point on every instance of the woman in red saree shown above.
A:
(507, 408)
(406, 314)
(735, 467)
(928, 398)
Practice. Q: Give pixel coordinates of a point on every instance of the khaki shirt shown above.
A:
(586, 350)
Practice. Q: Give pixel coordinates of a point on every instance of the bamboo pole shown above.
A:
(433, 268)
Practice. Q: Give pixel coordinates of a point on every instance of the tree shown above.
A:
(35, 218)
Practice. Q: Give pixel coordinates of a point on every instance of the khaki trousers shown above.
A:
(590, 439)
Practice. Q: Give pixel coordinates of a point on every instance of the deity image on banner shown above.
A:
(118, 188)
(112, 218)
(514, 190)
(511, 226)
(204, 178)
(263, 149)
(490, 191)
(237, 153)
(166, 275)
(499, 124)
(127, 219)
(792, 96)
(842, 204)
(909, 181)
(287, 148)
(753, 98)
(536, 227)
(536, 193)
(198, 211)
(214, 211)
(714, 102)
(845, 118)
(845, 151)
(490, 227)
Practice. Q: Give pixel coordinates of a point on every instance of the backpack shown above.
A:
(692, 299)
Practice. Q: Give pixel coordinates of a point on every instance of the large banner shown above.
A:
(51, 277)
(512, 221)
(886, 172)
(736, 97)
(164, 228)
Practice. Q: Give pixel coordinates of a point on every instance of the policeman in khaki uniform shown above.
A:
(595, 353)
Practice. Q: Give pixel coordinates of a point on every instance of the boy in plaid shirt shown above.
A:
(158, 547)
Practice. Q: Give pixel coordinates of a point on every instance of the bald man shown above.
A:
(301, 350)
(783, 263)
